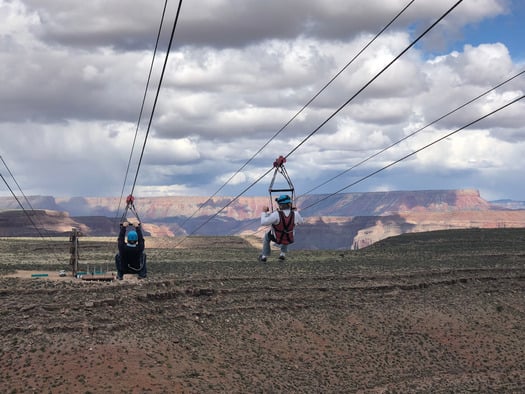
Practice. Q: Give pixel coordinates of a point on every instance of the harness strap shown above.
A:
(141, 263)
(284, 229)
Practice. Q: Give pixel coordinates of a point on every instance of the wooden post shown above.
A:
(74, 249)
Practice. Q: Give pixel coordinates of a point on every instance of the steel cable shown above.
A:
(413, 133)
(335, 112)
(415, 152)
(157, 95)
(301, 110)
(374, 78)
(141, 109)
(405, 157)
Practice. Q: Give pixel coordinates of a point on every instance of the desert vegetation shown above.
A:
(441, 311)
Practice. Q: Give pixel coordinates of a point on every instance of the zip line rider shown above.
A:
(131, 258)
(283, 222)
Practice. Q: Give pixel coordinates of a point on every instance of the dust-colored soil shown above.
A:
(215, 320)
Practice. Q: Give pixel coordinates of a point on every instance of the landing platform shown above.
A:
(99, 277)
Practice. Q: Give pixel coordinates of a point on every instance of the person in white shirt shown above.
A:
(283, 222)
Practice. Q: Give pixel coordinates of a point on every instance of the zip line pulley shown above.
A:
(278, 164)
(130, 206)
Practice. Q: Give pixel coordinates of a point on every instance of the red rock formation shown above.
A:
(37, 223)
(431, 221)
(339, 221)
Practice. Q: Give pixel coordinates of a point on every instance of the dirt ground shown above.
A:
(326, 326)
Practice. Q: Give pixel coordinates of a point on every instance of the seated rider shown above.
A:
(283, 223)
(131, 258)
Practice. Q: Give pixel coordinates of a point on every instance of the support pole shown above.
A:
(74, 249)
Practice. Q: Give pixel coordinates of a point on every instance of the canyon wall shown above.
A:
(342, 221)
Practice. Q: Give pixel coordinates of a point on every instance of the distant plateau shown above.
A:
(342, 221)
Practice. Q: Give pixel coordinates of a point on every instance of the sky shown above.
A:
(238, 75)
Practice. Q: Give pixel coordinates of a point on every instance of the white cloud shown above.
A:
(174, 151)
(166, 190)
(73, 80)
(235, 178)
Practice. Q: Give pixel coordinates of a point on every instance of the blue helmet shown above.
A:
(283, 199)
(132, 236)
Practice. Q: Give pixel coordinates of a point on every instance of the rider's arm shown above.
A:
(298, 218)
(121, 237)
(269, 218)
(140, 237)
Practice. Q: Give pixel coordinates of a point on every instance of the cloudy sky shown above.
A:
(73, 76)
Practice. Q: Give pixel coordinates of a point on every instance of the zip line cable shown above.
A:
(141, 108)
(403, 158)
(416, 151)
(28, 203)
(334, 113)
(22, 207)
(375, 77)
(226, 206)
(301, 110)
(17, 185)
(413, 133)
(405, 138)
(156, 96)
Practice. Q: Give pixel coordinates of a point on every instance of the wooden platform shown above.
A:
(104, 277)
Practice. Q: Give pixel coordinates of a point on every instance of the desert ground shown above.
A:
(432, 312)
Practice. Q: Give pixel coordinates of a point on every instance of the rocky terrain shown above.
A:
(430, 312)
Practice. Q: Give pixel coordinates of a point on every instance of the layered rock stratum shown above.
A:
(341, 221)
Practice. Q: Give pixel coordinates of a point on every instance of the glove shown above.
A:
(125, 224)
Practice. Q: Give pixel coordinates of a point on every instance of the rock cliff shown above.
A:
(342, 221)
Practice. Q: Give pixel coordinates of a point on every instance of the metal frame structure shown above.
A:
(278, 164)
(130, 206)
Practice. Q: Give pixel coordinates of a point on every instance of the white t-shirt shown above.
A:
(268, 218)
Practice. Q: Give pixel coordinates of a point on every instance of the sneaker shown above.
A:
(262, 258)
(119, 277)
(282, 256)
